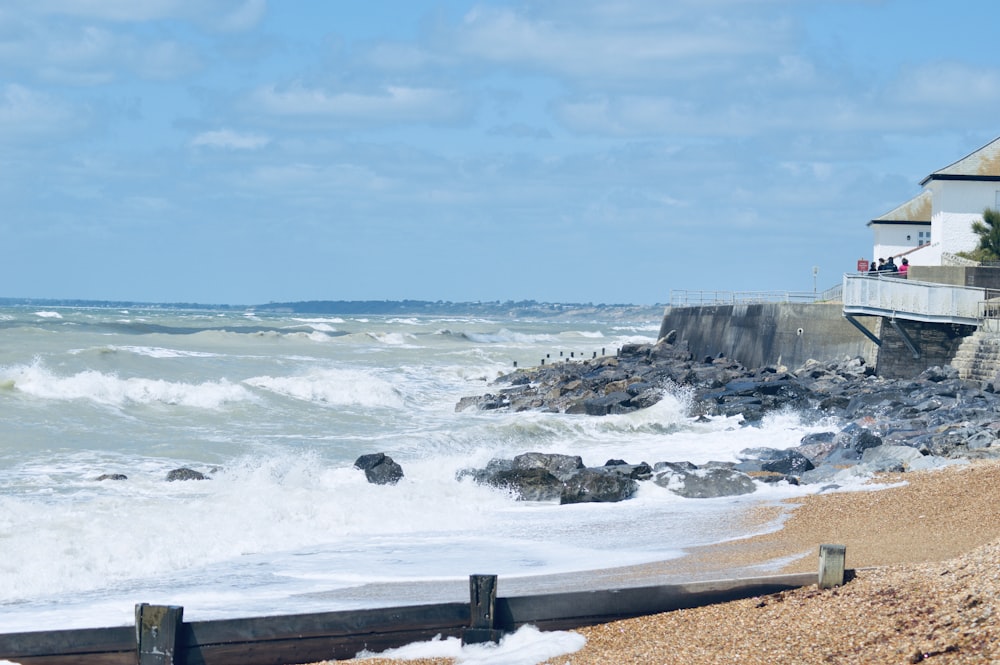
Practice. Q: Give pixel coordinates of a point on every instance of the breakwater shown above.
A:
(764, 334)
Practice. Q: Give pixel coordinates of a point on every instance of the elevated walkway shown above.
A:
(900, 298)
(927, 319)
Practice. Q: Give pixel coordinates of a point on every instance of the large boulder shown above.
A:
(379, 468)
(705, 483)
(528, 484)
(601, 485)
(185, 473)
(773, 460)
(560, 466)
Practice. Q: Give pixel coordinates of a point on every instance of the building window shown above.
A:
(923, 238)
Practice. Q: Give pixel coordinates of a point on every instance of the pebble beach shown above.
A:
(926, 551)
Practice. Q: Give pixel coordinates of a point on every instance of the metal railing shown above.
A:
(685, 298)
(882, 295)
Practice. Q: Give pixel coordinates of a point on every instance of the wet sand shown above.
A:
(927, 585)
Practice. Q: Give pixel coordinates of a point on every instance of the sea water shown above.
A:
(275, 409)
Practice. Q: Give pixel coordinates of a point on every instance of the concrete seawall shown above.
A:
(771, 333)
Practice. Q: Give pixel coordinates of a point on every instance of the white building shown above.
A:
(904, 228)
(957, 196)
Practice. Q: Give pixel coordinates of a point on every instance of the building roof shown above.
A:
(915, 211)
(983, 164)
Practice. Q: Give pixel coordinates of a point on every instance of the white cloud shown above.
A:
(948, 83)
(164, 60)
(244, 17)
(112, 10)
(226, 138)
(26, 113)
(226, 15)
(586, 46)
(391, 103)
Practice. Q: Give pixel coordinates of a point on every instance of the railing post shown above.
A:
(157, 629)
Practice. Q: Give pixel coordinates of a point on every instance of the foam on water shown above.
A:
(333, 387)
(38, 381)
(277, 420)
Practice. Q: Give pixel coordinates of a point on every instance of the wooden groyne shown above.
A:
(160, 636)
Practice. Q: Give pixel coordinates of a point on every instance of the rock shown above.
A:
(901, 454)
(530, 484)
(597, 485)
(379, 468)
(185, 473)
(560, 466)
(705, 483)
(773, 460)
(113, 476)
(640, 471)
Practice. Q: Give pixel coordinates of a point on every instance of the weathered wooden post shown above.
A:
(157, 629)
(831, 565)
(482, 610)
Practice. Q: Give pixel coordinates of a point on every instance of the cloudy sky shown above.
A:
(606, 151)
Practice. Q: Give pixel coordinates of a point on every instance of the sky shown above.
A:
(579, 151)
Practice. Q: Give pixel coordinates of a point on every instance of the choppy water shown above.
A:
(277, 408)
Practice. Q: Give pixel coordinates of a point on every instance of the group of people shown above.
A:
(888, 265)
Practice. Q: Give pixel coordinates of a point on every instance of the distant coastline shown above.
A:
(496, 308)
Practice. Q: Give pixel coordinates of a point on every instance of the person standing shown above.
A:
(904, 267)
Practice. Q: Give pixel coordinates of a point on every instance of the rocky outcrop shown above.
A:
(932, 420)
(185, 473)
(379, 468)
(706, 483)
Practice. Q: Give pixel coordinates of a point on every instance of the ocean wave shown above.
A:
(48, 315)
(505, 336)
(152, 352)
(393, 338)
(344, 387)
(334, 319)
(109, 389)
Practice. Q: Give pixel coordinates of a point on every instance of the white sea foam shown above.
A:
(505, 336)
(321, 320)
(526, 646)
(160, 352)
(286, 522)
(38, 381)
(48, 315)
(392, 338)
(333, 387)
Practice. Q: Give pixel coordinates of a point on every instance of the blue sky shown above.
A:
(247, 151)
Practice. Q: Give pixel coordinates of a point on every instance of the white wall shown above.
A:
(956, 204)
(894, 239)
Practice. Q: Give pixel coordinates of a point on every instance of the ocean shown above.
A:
(274, 409)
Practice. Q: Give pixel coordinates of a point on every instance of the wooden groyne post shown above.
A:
(157, 628)
(482, 611)
(831, 566)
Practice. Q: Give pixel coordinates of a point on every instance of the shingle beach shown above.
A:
(927, 554)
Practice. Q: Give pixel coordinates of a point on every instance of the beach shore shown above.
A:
(927, 554)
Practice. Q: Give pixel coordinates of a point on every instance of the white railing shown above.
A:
(684, 298)
(884, 295)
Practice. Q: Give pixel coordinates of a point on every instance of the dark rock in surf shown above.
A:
(772, 460)
(185, 473)
(601, 485)
(705, 483)
(379, 468)
(111, 476)
(527, 484)
(560, 466)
